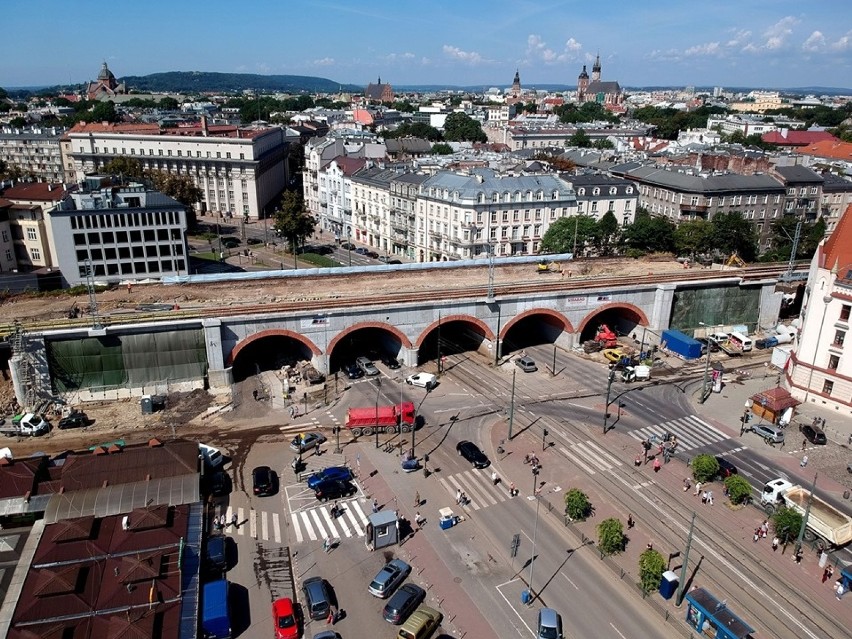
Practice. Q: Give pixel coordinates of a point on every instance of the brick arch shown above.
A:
(643, 320)
(355, 327)
(456, 318)
(559, 317)
(271, 332)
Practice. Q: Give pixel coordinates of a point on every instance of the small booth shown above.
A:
(774, 405)
(712, 618)
(382, 529)
(668, 584)
(447, 518)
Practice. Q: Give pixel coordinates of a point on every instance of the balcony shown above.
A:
(694, 209)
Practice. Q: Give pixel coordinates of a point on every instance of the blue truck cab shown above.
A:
(215, 614)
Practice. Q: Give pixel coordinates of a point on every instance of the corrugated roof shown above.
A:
(828, 149)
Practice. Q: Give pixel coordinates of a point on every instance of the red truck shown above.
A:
(387, 419)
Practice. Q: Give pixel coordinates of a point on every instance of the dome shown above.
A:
(105, 73)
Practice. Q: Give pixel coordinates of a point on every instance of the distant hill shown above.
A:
(191, 81)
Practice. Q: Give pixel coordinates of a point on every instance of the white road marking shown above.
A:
(569, 581)
(321, 530)
(350, 512)
(575, 459)
(617, 630)
(310, 529)
(276, 527)
(252, 523)
(327, 516)
(264, 526)
(295, 518)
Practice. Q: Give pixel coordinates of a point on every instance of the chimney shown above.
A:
(204, 130)
(784, 132)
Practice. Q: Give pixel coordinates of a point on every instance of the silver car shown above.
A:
(549, 624)
(366, 365)
(388, 578)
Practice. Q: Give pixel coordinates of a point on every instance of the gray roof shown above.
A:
(408, 145)
(798, 174)
(603, 87)
(605, 182)
(375, 176)
(728, 182)
(486, 181)
(835, 184)
(412, 178)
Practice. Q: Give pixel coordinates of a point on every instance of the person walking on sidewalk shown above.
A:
(417, 499)
(630, 522)
(804, 461)
(804, 444)
(775, 542)
(826, 574)
(697, 488)
(710, 497)
(686, 484)
(458, 496)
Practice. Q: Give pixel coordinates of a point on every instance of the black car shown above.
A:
(726, 468)
(372, 254)
(317, 598)
(263, 481)
(220, 483)
(471, 453)
(403, 603)
(353, 371)
(254, 240)
(334, 489)
(391, 362)
(814, 434)
(76, 419)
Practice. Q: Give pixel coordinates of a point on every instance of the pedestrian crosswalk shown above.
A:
(691, 431)
(478, 486)
(590, 457)
(269, 524)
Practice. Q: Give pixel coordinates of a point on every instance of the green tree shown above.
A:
(18, 122)
(168, 103)
(606, 233)
(704, 467)
(610, 536)
(693, 237)
(786, 524)
(732, 233)
(128, 167)
(292, 220)
(103, 112)
(738, 487)
(603, 143)
(414, 129)
(442, 148)
(180, 187)
(783, 232)
(649, 233)
(568, 233)
(580, 139)
(577, 505)
(460, 127)
(652, 565)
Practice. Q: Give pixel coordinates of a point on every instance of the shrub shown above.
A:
(786, 524)
(704, 468)
(610, 536)
(739, 490)
(577, 505)
(651, 568)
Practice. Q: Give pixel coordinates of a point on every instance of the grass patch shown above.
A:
(317, 260)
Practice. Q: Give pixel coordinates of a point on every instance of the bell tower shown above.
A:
(596, 69)
(582, 85)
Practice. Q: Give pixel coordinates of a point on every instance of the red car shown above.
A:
(286, 625)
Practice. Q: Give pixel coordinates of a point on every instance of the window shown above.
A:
(32, 235)
(35, 254)
(839, 336)
(5, 236)
(844, 310)
(833, 361)
(827, 387)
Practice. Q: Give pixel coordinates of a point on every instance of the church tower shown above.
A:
(582, 85)
(596, 70)
(516, 85)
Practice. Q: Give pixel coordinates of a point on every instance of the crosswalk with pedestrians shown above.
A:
(691, 431)
(477, 484)
(261, 524)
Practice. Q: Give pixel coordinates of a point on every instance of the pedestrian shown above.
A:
(234, 521)
(775, 542)
(764, 528)
(630, 522)
(756, 535)
(797, 556)
(649, 546)
(512, 491)
(804, 443)
(464, 500)
(710, 497)
(458, 496)
(375, 506)
(418, 520)
(129, 287)
(638, 460)
(317, 449)
(704, 497)
(804, 461)
(697, 488)
(686, 484)
(254, 394)
(826, 573)
(657, 465)
(839, 590)
(494, 478)
(417, 499)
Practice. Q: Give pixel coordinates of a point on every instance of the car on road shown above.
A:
(327, 634)
(526, 364)
(366, 365)
(769, 433)
(421, 624)
(77, 419)
(613, 354)
(707, 343)
(220, 483)
(230, 242)
(361, 250)
(306, 441)
(423, 380)
(253, 241)
(317, 599)
(391, 362)
(388, 578)
(334, 489)
(347, 246)
(332, 473)
(373, 254)
(353, 371)
(549, 624)
(726, 468)
(263, 481)
(284, 619)
(403, 601)
(471, 453)
(814, 434)
(394, 261)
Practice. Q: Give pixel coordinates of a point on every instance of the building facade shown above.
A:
(25, 242)
(597, 90)
(598, 194)
(240, 171)
(35, 151)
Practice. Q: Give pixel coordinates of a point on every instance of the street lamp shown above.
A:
(349, 243)
(610, 380)
(512, 404)
(378, 390)
(535, 534)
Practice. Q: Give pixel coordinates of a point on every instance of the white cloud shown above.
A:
(815, 42)
(739, 38)
(471, 57)
(711, 49)
(669, 55)
(573, 46)
(538, 51)
(399, 57)
(844, 43)
(323, 62)
(776, 35)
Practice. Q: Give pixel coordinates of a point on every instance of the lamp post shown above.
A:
(807, 515)
(826, 300)
(535, 534)
(349, 243)
(704, 392)
(512, 404)
(378, 390)
(610, 380)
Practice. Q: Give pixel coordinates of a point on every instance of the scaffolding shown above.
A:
(27, 377)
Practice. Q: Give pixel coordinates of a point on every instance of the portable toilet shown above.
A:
(668, 584)
(147, 405)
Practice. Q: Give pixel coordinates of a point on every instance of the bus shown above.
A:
(741, 342)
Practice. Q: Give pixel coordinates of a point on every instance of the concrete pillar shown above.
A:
(659, 318)
(408, 356)
(770, 305)
(218, 377)
(31, 368)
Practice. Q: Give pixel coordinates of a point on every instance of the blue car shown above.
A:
(332, 473)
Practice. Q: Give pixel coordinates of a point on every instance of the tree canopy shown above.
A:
(460, 127)
(586, 112)
(732, 233)
(694, 237)
(292, 220)
(669, 122)
(414, 129)
(783, 232)
(649, 233)
(568, 233)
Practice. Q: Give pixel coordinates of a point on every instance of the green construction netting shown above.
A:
(127, 360)
(729, 306)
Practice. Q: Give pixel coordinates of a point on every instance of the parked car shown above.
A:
(394, 261)
(423, 380)
(391, 362)
(334, 489)
(421, 624)
(332, 473)
(31, 424)
(284, 619)
(366, 365)
(388, 578)
(220, 483)
(403, 601)
(306, 441)
(216, 555)
(347, 246)
(814, 434)
(77, 419)
(327, 634)
(549, 624)
(230, 242)
(726, 468)
(361, 250)
(613, 354)
(373, 254)
(707, 343)
(353, 371)
(263, 481)
(317, 599)
(769, 433)
(471, 453)
(526, 364)
(254, 241)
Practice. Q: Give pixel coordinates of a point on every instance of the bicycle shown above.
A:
(330, 543)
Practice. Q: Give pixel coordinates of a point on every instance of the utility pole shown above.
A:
(685, 561)
(512, 404)
(807, 514)
(608, 389)
(553, 369)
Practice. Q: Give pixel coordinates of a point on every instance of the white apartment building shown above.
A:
(124, 233)
(34, 150)
(598, 194)
(820, 370)
(240, 171)
(335, 185)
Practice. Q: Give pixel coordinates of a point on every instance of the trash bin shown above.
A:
(526, 597)
(668, 585)
(147, 405)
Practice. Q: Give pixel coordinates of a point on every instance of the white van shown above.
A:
(212, 456)
(741, 342)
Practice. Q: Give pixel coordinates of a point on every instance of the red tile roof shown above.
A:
(36, 191)
(797, 138)
(837, 250)
(834, 150)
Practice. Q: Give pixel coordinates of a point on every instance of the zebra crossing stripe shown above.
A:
(332, 531)
(614, 461)
(310, 529)
(696, 430)
(318, 523)
(252, 523)
(241, 518)
(474, 504)
(592, 456)
(575, 459)
(276, 528)
(341, 521)
(350, 512)
(297, 528)
(264, 526)
(480, 495)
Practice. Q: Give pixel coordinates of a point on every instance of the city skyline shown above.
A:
(658, 42)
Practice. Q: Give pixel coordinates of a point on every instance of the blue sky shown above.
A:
(774, 43)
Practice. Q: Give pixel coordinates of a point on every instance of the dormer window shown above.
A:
(596, 191)
(581, 191)
(612, 190)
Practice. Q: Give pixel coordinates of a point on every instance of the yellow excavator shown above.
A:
(546, 266)
(735, 260)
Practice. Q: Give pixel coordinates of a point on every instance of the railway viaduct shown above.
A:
(216, 347)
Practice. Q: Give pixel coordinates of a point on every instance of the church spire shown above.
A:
(596, 69)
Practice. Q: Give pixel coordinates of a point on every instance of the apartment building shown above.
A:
(35, 151)
(542, 137)
(240, 170)
(25, 243)
(335, 184)
(598, 193)
(804, 191)
(403, 213)
(836, 198)
(123, 233)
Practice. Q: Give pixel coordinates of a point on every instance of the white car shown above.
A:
(423, 380)
(32, 424)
